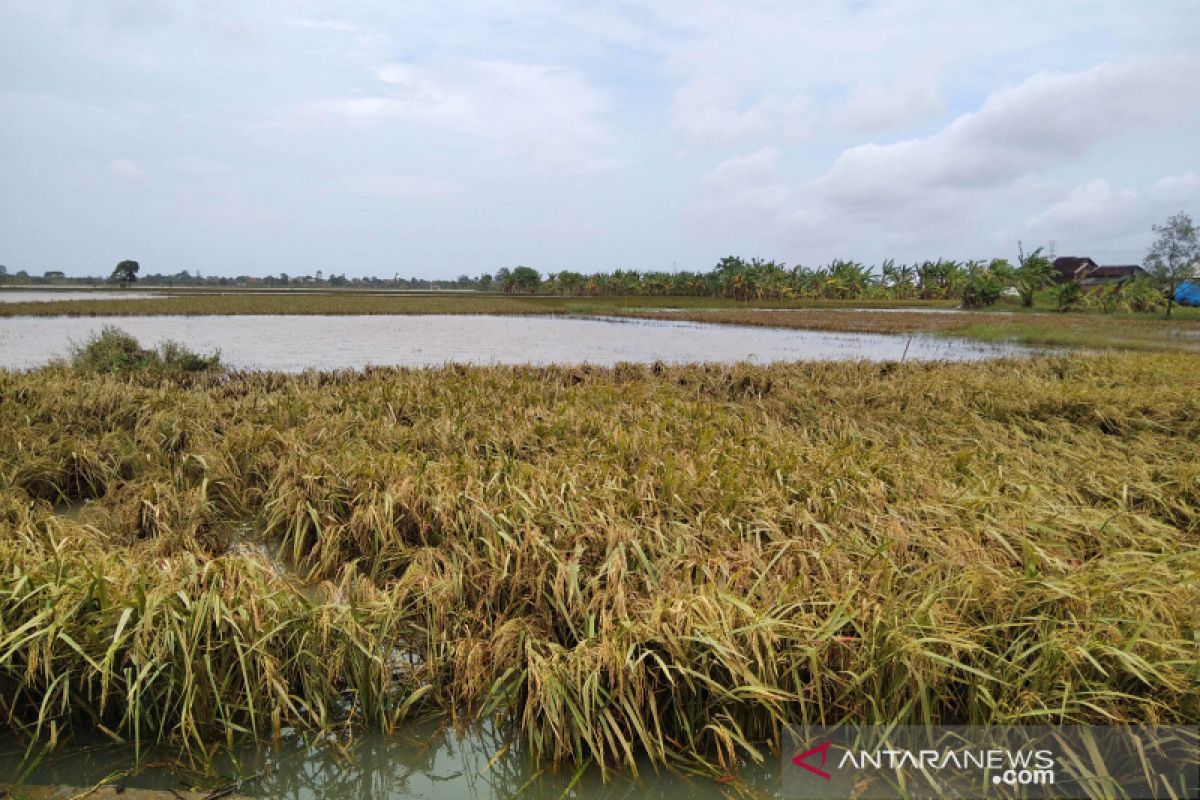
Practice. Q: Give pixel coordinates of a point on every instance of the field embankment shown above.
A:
(1088, 331)
(206, 303)
(639, 561)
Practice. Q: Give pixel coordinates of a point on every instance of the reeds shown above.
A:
(660, 561)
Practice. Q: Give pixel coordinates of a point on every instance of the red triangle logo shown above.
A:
(802, 760)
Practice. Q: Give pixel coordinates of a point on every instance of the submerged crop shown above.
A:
(659, 561)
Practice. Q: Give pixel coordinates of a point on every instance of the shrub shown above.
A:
(1069, 295)
(984, 284)
(1143, 295)
(114, 350)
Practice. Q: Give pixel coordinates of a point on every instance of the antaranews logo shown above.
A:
(801, 760)
(982, 763)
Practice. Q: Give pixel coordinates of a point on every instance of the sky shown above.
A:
(435, 138)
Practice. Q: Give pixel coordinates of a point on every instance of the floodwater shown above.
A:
(50, 296)
(296, 343)
(421, 761)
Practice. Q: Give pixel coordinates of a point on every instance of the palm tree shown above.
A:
(1035, 272)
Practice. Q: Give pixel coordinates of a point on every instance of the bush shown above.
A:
(1143, 295)
(1069, 295)
(981, 290)
(114, 350)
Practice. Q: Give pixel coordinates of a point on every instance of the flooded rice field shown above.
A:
(293, 343)
(52, 295)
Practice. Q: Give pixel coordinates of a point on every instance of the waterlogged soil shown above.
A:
(294, 344)
(422, 761)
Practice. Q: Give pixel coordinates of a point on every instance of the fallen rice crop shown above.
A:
(638, 562)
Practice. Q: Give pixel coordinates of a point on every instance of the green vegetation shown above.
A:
(1036, 272)
(1175, 255)
(973, 284)
(113, 350)
(1090, 331)
(667, 561)
(125, 273)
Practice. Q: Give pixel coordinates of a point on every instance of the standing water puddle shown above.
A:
(424, 760)
(295, 343)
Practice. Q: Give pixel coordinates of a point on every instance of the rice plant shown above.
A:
(611, 564)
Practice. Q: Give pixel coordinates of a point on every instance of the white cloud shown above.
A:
(1091, 207)
(746, 181)
(711, 111)
(797, 130)
(1047, 120)
(875, 107)
(547, 113)
(1183, 188)
(1094, 211)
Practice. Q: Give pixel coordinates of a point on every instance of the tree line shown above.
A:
(975, 284)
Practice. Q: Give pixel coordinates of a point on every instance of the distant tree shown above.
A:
(126, 272)
(984, 284)
(3, 274)
(485, 281)
(504, 279)
(283, 278)
(320, 274)
(1035, 272)
(570, 282)
(526, 279)
(1174, 254)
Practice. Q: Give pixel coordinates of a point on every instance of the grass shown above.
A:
(113, 350)
(1033, 328)
(666, 562)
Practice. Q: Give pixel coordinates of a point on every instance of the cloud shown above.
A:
(950, 192)
(1183, 188)
(1091, 207)
(746, 181)
(546, 113)
(639, 133)
(1048, 119)
(711, 111)
(1094, 210)
(875, 107)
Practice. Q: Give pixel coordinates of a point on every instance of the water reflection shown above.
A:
(423, 761)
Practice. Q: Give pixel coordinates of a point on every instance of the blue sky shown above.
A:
(439, 138)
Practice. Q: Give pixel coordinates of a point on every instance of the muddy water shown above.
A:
(422, 760)
(294, 343)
